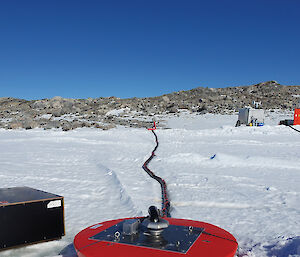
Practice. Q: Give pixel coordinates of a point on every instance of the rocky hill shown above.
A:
(107, 112)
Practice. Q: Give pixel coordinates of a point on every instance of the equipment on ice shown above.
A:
(28, 216)
(251, 117)
(295, 121)
(297, 117)
(154, 236)
(157, 235)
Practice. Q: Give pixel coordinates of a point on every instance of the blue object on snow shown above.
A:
(212, 157)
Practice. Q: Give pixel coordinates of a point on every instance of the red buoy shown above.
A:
(154, 237)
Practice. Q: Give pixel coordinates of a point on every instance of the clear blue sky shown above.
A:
(127, 48)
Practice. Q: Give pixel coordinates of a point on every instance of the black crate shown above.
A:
(29, 216)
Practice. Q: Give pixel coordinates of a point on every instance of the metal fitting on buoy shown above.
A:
(154, 223)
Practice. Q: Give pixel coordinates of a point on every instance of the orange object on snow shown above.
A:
(297, 117)
(154, 126)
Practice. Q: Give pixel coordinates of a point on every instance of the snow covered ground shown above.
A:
(245, 180)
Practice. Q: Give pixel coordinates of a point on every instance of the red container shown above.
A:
(297, 117)
(212, 241)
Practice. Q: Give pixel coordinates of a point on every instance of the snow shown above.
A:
(45, 116)
(118, 112)
(245, 180)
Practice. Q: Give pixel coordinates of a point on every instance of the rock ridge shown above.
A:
(108, 112)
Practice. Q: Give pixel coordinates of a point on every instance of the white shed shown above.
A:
(251, 117)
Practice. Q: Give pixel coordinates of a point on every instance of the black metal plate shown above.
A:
(23, 194)
(174, 238)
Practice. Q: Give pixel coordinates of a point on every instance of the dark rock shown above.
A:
(65, 126)
(202, 109)
(52, 124)
(29, 124)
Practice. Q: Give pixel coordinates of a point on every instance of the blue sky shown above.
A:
(139, 48)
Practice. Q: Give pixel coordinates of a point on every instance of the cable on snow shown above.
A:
(293, 128)
(164, 194)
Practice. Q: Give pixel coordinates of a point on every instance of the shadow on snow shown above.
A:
(291, 247)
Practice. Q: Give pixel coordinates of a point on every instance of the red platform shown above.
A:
(297, 117)
(212, 242)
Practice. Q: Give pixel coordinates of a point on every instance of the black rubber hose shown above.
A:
(164, 194)
(294, 128)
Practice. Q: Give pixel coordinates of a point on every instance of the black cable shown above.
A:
(164, 194)
(209, 234)
(293, 128)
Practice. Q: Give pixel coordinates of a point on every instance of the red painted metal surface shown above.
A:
(297, 117)
(154, 126)
(214, 242)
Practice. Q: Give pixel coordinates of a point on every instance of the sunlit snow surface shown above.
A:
(251, 186)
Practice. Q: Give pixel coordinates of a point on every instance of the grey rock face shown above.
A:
(68, 114)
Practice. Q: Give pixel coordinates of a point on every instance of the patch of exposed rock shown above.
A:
(108, 112)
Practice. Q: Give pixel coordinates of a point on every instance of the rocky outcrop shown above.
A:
(108, 112)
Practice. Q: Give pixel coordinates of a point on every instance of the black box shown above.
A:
(29, 216)
(286, 122)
